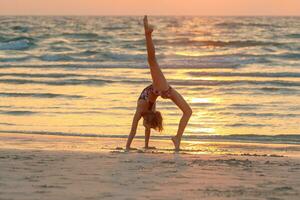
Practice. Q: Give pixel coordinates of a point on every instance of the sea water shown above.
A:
(83, 75)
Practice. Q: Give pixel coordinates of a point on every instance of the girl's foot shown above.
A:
(148, 28)
(176, 143)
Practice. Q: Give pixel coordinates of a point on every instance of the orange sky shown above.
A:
(151, 7)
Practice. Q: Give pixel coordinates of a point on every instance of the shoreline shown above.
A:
(239, 138)
(95, 144)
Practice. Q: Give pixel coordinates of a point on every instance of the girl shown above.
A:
(146, 102)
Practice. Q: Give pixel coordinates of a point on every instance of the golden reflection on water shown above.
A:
(108, 108)
(202, 130)
(211, 100)
(202, 115)
(194, 53)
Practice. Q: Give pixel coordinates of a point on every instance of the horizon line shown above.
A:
(155, 15)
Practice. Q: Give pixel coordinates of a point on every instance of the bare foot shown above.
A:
(176, 143)
(148, 28)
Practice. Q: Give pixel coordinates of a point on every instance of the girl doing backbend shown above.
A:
(147, 100)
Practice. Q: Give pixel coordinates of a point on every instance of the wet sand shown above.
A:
(50, 168)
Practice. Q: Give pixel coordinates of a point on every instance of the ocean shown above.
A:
(81, 76)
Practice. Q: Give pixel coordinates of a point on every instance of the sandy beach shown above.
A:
(53, 167)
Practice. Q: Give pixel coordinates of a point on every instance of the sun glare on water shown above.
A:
(205, 100)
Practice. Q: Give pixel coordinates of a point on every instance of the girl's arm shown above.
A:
(135, 121)
(141, 106)
(148, 132)
(147, 137)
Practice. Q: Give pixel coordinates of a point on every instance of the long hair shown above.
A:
(154, 120)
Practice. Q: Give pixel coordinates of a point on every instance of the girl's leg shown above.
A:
(186, 114)
(159, 81)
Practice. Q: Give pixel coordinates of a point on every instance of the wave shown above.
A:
(122, 65)
(294, 35)
(40, 95)
(258, 115)
(89, 52)
(49, 75)
(240, 25)
(18, 43)
(284, 139)
(57, 57)
(15, 59)
(281, 90)
(18, 112)
(77, 66)
(22, 29)
(248, 125)
(235, 82)
(96, 82)
(289, 56)
(78, 112)
(272, 89)
(83, 57)
(80, 35)
(239, 43)
(250, 114)
(7, 124)
(123, 57)
(277, 139)
(59, 49)
(244, 106)
(260, 90)
(115, 27)
(213, 64)
(248, 74)
(200, 104)
(217, 43)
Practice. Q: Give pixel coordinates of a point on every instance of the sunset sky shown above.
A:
(151, 7)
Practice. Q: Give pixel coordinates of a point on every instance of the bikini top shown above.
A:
(145, 95)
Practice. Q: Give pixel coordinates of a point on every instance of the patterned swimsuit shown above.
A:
(149, 89)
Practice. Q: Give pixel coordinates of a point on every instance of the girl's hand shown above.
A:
(148, 28)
